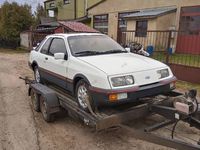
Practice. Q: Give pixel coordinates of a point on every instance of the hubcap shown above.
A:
(83, 96)
(37, 75)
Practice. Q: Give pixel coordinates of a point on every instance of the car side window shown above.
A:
(57, 46)
(45, 47)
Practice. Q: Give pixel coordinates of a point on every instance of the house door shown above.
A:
(189, 36)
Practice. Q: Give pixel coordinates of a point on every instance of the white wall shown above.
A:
(25, 39)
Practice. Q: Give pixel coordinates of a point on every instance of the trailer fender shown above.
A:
(52, 102)
(49, 96)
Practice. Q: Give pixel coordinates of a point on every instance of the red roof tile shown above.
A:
(77, 26)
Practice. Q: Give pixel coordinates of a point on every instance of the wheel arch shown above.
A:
(34, 63)
(77, 78)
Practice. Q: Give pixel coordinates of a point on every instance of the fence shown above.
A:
(37, 37)
(179, 49)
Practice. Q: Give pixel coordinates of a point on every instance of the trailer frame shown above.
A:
(103, 119)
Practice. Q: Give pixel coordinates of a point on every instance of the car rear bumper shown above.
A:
(101, 96)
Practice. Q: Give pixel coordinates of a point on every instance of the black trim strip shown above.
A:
(56, 75)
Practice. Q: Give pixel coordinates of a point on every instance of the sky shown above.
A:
(33, 3)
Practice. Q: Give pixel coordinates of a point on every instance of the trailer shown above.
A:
(174, 107)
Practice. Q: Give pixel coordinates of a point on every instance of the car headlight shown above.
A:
(122, 81)
(163, 73)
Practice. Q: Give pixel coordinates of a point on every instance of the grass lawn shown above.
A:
(13, 51)
(182, 59)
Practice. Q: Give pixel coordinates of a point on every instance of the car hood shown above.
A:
(122, 63)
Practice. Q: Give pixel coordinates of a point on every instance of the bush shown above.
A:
(12, 43)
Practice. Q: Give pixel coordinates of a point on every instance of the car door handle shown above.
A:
(46, 58)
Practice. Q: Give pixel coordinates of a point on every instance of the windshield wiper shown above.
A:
(85, 53)
(115, 51)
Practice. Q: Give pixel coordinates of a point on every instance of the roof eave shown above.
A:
(150, 17)
(48, 1)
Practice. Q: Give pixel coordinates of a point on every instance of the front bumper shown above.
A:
(101, 96)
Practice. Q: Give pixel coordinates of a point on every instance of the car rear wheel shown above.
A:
(83, 96)
(37, 74)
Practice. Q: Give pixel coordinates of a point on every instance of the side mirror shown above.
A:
(58, 56)
(36, 46)
(128, 49)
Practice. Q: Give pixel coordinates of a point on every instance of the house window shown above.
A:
(101, 23)
(141, 28)
(51, 13)
(66, 1)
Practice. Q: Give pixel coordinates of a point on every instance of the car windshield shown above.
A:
(85, 45)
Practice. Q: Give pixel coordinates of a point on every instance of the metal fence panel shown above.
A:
(175, 48)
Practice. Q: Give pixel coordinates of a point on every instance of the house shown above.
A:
(75, 10)
(114, 16)
(38, 34)
(64, 27)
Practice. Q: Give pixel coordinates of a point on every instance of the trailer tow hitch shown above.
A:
(182, 108)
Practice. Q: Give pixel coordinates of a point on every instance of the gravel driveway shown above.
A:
(23, 129)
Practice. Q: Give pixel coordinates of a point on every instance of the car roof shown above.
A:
(66, 35)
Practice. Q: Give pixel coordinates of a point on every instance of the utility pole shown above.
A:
(75, 9)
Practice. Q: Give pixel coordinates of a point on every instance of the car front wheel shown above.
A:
(83, 96)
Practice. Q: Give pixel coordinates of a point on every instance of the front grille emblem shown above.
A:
(147, 77)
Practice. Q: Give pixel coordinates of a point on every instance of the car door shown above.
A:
(42, 59)
(57, 69)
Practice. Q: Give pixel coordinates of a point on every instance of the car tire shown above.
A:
(35, 101)
(37, 75)
(48, 117)
(82, 92)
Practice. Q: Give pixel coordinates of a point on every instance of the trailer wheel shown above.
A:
(83, 95)
(35, 101)
(45, 110)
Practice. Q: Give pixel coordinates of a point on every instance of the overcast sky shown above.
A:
(33, 3)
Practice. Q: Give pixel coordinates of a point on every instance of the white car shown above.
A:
(96, 69)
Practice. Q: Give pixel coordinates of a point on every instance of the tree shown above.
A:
(40, 12)
(14, 19)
